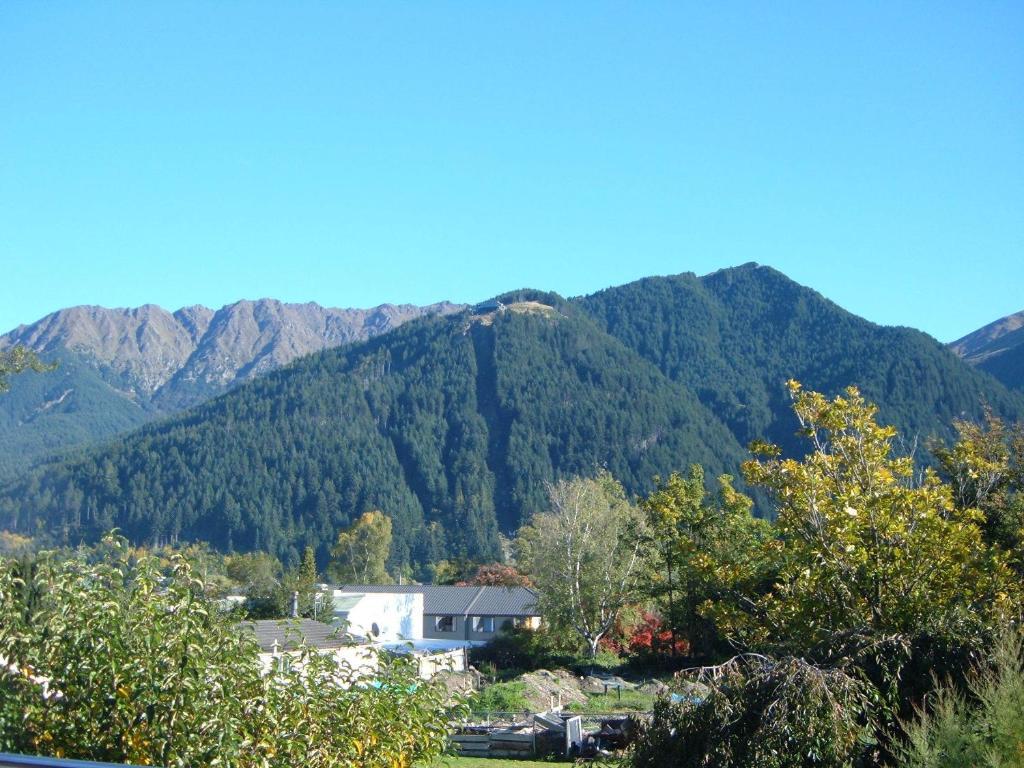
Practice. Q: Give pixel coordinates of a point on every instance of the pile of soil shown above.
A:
(544, 687)
(457, 683)
(654, 687)
(595, 684)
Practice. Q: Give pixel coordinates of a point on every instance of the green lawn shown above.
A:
(489, 762)
(600, 703)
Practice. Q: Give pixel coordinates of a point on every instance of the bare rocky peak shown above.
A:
(148, 349)
(991, 339)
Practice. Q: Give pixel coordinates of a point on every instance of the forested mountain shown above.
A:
(735, 335)
(998, 349)
(452, 424)
(122, 367)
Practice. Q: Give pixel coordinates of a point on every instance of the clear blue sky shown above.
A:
(357, 153)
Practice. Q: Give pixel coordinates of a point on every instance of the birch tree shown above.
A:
(361, 552)
(585, 555)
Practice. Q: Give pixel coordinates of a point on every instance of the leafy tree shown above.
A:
(757, 712)
(454, 571)
(498, 575)
(985, 470)
(307, 571)
(360, 554)
(116, 662)
(705, 549)
(866, 548)
(18, 359)
(585, 555)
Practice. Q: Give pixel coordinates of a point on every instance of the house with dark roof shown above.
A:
(279, 641)
(461, 615)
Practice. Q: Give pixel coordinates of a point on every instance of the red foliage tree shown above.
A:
(497, 575)
(651, 637)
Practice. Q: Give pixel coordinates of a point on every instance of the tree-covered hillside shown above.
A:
(120, 368)
(450, 425)
(735, 336)
(453, 425)
(72, 405)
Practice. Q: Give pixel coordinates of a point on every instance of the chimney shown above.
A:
(295, 605)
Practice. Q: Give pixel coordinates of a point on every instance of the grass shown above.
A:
(601, 703)
(489, 762)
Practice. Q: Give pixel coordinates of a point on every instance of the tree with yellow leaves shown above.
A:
(868, 545)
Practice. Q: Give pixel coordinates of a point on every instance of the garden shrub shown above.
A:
(500, 697)
(761, 713)
(112, 661)
(980, 726)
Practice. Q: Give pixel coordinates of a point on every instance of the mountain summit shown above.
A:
(997, 348)
(453, 425)
(121, 367)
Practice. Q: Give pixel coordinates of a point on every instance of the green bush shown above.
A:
(983, 726)
(111, 661)
(761, 713)
(604, 661)
(500, 697)
(521, 650)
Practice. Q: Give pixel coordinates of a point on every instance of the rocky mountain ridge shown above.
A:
(997, 348)
(119, 368)
(150, 348)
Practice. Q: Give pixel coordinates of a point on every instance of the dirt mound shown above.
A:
(595, 684)
(544, 688)
(655, 688)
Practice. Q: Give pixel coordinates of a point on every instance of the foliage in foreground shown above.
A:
(878, 574)
(586, 555)
(761, 713)
(984, 728)
(109, 661)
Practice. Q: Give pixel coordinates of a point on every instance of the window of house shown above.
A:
(444, 623)
(483, 623)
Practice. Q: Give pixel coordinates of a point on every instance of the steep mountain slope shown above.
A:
(122, 367)
(998, 349)
(451, 425)
(735, 336)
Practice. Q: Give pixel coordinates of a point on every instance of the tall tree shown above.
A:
(361, 552)
(585, 555)
(985, 469)
(704, 547)
(868, 548)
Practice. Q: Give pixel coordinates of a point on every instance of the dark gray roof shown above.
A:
(288, 633)
(442, 600)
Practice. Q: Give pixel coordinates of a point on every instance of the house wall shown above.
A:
(464, 627)
(357, 660)
(397, 615)
(429, 631)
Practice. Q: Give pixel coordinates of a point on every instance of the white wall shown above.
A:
(357, 660)
(398, 615)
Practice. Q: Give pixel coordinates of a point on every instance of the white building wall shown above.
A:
(398, 616)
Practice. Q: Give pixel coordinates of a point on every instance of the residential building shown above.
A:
(459, 615)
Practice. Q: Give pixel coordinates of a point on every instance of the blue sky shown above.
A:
(357, 153)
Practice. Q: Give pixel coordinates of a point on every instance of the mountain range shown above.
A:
(119, 368)
(454, 422)
(998, 349)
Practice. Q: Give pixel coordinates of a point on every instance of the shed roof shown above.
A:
(444, 600)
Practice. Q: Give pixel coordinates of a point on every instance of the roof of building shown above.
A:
(288, 634)
(443, 600)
